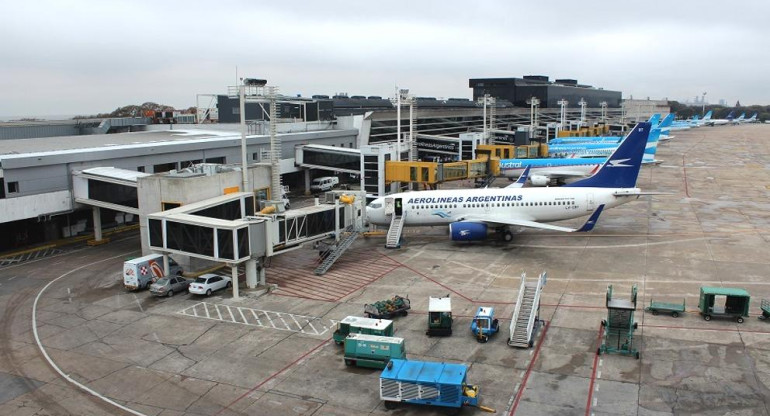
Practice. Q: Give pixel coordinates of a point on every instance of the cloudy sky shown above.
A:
(84, 57)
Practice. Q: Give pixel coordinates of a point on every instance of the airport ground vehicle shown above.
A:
(359, 325)
(673, 308)
(167, 286)
(209, 282)
(484, 324)
(427, 383)
(765, 306)
(386, 309)
(439, 316)
(372, 351)
(141, 272)
(724, 302)
(324, 183)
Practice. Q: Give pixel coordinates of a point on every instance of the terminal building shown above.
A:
(520, 90)
(42, 196)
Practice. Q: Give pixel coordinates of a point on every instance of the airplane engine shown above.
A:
(467, 231)
(539, 180)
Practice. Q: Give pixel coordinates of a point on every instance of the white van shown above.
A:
(325, 183)
(144, 271)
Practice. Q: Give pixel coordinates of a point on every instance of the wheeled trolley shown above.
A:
(724, 302)
(674, 309)
(765, 306)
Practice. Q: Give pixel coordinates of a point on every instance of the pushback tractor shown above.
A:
(484, 324)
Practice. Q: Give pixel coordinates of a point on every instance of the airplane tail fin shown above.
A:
(622, 167)
(654, 119)
(730, 116)
(695, 118)
(667, 120)
(651, 147)
(708, 115)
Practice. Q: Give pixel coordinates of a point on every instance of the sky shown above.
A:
(86, 57)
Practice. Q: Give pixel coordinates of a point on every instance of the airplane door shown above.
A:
(397, 208)
(590, 204)
(389, 206)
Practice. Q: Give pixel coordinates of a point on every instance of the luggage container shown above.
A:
(372, 351)
(724, 302)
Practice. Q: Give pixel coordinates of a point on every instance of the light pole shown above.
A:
(401, 94)
(582, 104)
(563, 116)
(703, 101)
(247, 82)
(603, 104)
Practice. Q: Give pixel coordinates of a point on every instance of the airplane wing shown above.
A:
(498, 221)
(522, 179)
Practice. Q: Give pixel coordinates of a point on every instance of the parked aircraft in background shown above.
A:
(752, 119)
(719, 121)
(664, 126)
(470, 213)
(740, 119)
(602, 149)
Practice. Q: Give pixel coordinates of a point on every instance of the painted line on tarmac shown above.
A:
(281, 321)
(593, 373)
(48, 358)
(523, 386)
(297, 361)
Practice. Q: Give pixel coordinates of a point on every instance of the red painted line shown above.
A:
(684, 172)
(529, 370)
(367, 283)
(289, 295)
(273, 376)
(593, 373)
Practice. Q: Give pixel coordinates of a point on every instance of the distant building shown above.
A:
(520, 90)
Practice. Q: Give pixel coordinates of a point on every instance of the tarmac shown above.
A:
(272, 354)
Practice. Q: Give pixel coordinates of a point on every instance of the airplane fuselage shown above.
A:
(442, 207)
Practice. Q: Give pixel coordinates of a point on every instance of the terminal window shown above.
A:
(13, 187)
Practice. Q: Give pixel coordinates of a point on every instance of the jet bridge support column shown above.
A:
(98, 224)
(307, 181)
(251, 273)
(234, 269)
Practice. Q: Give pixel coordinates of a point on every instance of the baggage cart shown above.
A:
(674, 309)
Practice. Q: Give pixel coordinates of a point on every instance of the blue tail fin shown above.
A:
(622, 167)
(667, 120)
(652, 146)
(654, 120)
(730, 116)
(708, 115)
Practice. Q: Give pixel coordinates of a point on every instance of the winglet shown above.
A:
(589, 225)
(522, 179)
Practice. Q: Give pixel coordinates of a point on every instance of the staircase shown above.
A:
(334, 254)
(393, 239)
(527, 312)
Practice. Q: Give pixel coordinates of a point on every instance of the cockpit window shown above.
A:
(375, 206)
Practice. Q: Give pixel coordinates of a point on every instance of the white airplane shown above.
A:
(470, 213)
(719, 121)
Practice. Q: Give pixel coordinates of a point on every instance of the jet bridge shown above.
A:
(226, 229)
(332, 158)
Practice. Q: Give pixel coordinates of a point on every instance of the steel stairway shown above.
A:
(527, 312)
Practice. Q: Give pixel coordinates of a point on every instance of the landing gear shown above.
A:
(504, 235)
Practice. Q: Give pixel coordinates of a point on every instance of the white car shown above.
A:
(209, 282)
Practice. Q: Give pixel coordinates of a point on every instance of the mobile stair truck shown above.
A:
(526, 315)
(428, 383)
(439, 316)
(484, 324)
(359, 325)
(372, 351)
(618, 329)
